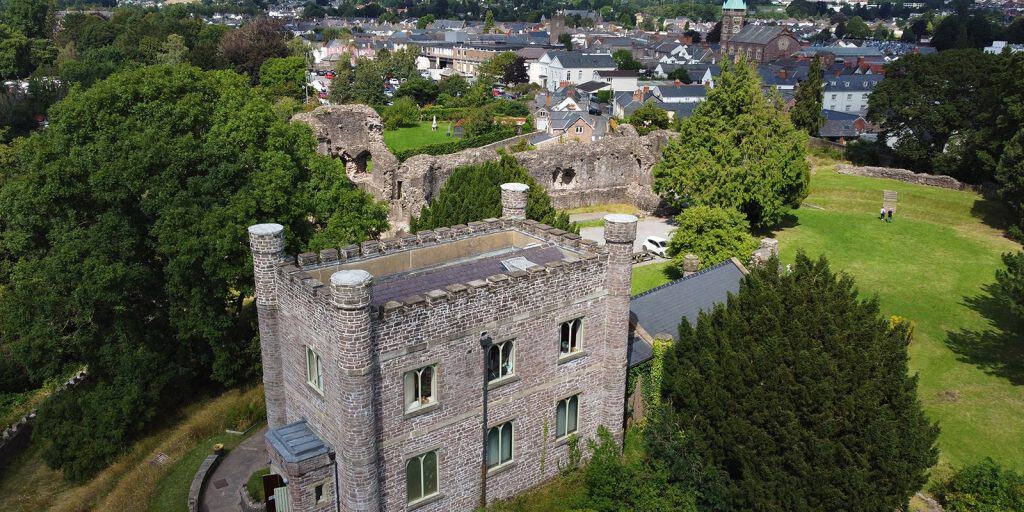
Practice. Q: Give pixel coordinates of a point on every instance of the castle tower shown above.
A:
(267, 244)
(733, 13)
(619, 234)
(354, 404)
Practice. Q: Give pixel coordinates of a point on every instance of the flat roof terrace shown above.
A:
(422, 268)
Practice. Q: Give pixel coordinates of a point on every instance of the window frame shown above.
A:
(420, 458)
(576, 429)
(512, 445)
(578, 338)
(317, 382)
(417, 374)
(512, 357)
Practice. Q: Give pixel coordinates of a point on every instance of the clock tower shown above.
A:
(733, 12)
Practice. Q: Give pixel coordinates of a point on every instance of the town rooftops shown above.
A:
(852, 82)
(660, 310)
(618, 73)
(296, 442)
(757, 34)
(582, 60)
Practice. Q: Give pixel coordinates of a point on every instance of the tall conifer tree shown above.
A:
(806, 113)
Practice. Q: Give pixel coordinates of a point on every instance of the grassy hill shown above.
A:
(934, 265)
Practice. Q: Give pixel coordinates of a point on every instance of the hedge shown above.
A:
(445, 148)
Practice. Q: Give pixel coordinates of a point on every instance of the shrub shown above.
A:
(478, 122)
(713, 234)
(403, 112)
(983, 487)
(648, 118)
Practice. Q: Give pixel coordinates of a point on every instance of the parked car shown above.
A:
(657, 245)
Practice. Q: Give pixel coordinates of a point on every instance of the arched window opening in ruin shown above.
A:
(567, 176)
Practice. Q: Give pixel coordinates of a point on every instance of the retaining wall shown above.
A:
(15, 438)
(906, 176)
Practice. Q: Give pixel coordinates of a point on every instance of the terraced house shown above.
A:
(436, 370)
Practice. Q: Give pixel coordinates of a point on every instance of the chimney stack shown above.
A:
(513, 200)
(691, 263)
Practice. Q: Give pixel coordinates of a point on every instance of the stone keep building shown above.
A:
(374, 366)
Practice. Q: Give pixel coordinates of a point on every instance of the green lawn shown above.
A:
(172, 489)
(933, 264)
(416, 136)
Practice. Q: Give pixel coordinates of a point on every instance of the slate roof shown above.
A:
(682, 91)
(852, 82)
(618, 73)
(583, 60)
(399, 286)
(756, 34)
(296, 442)
(660, 310)
(591, 86)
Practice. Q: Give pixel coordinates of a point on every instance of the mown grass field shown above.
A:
(416, 136)
(934, 265)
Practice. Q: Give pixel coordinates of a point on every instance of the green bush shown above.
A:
(403, 112)
(983, 487)
(445, 148)
(713, 234)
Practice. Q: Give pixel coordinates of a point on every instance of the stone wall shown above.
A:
(615, 169)
(443, 327)
(906, 176)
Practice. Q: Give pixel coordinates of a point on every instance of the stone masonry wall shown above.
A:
(444, 326)
(616, 168)
(904, 175)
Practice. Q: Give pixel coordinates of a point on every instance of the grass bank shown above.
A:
(134, 479)
(934, 265)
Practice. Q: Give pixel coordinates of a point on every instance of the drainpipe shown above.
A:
(485, 343)
(337, 489)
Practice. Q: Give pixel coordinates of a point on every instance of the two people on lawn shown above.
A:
(885, 215)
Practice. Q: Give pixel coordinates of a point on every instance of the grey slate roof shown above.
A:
(660, 310)
(852, 82)
(583, 60)
(756, 34)
(296, 442)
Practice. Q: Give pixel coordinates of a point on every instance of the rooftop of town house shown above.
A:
(419, 267)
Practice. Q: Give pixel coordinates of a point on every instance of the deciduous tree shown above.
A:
(648, 118)
(247, 47)
(713, 234)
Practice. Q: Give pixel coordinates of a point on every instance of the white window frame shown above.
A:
(503, 372)
(575, 338)
(574, 402)
(419, 459)
(579, 129)
(314, 370)
(412, 386)
(500, 429)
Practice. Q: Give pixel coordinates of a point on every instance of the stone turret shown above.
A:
(513, 201)
(354, 403)
(691, 264)
(267, 244)
(619, 235)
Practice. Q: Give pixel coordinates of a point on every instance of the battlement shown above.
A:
(416, 270)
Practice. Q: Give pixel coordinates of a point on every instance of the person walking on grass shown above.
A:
(881, 214)
(890, 215)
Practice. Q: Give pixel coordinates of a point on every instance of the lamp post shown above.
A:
(485, 343)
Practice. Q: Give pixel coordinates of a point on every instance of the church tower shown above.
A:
(733, 12)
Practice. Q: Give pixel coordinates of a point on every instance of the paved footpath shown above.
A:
(233, 472)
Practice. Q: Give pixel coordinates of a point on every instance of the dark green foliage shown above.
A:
(403, 112)
(736, 151)
(285, 76)
(648, 118)
(971, 128)
(982, 487)
(247, 47)
(964, 31)
(806, 113)
(479, 122)
(795, 396)
(453, 85)
(713, 234)
(680, 74)
(1010, 283)
(126, 219)
(565, 39)
(420, 89)
(447, 148)
(616, 485)
(624, 60)
(473, 193)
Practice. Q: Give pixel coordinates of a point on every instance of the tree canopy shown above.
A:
(712, 234)
(736, 151)
(648, 118)
(473, 192)
(806, 112)
(126, 219)
(794, 396)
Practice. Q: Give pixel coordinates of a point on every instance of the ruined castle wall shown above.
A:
(615, 169)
